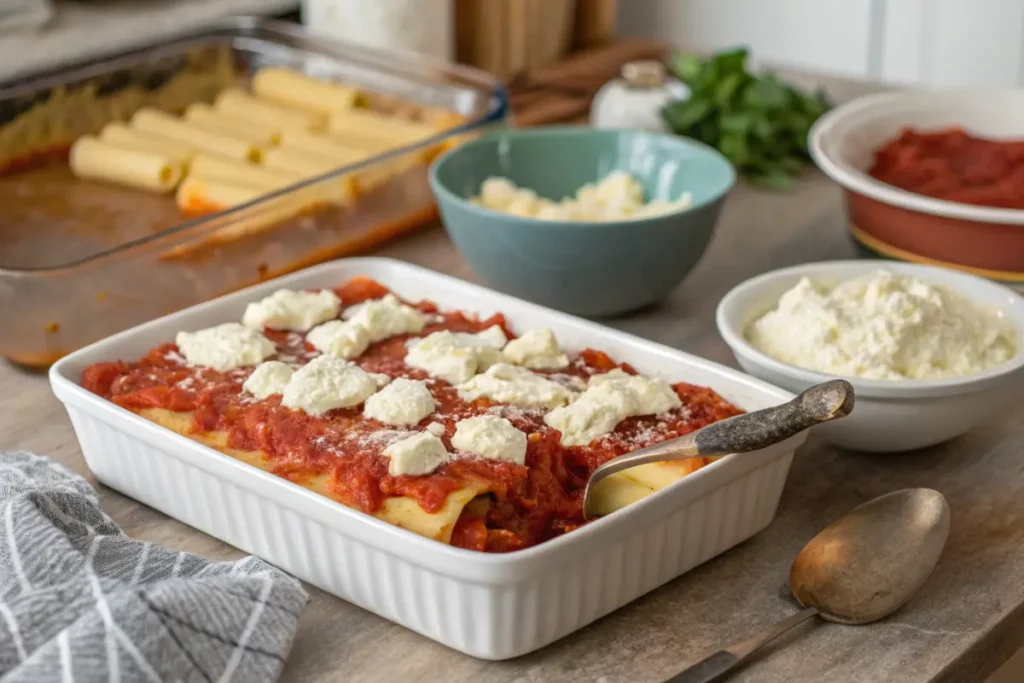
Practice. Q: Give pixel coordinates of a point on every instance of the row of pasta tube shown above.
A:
(291, 127)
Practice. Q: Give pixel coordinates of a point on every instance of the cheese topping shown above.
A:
(649, 395)
(326, 383)
(489, 436)
(401, 403)
(616, 197)
(287, 309)
(268, 378)
(224, 347)
(386, 317)
(456, 356)
(436, 428)
(883, 326)
(515, 386)
(538, 350)
(343, 339)
(610, 399)
(417, 454)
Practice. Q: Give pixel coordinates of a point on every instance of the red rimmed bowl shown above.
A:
(899, 224)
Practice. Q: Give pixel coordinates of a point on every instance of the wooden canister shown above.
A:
(507, 37)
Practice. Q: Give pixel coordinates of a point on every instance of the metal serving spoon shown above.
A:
(740, 434)
(859, 569)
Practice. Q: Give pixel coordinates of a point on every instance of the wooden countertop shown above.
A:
(968, 619)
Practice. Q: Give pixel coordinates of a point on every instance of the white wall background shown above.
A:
(937, 42)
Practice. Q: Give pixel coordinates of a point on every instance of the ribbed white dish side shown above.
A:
(490, 621)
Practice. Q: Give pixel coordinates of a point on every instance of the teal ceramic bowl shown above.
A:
(589, 269)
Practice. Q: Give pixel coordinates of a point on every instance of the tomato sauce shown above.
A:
(341, 451)
(956, 166)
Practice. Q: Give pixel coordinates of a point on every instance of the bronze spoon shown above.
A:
(859, 569)
(740, 434)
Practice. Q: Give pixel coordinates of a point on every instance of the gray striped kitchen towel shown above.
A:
(80, 601)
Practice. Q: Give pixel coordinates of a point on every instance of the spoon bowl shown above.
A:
(868, 564)
(859, 569)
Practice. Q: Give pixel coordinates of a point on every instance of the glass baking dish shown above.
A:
(80, 261)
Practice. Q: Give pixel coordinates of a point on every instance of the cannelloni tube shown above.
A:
(300, 161)
(117, 133)
(324, 146)
(157, 122)
(205, 116)
(298, 90)
(243, 105)
(96, 160)
(401, 511)
(238, 173)
(197, 195)
(382, 132)
(308, 165)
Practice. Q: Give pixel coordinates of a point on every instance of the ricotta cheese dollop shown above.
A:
(402, 403)
(385, 317)
(288, 309)
(456, 356)
(609, 399)
(537, 350)
(326, 383)
(269, 378)
(224, 347)
(516, 386)
(417, 454)
(490, 436)
(617, 196)
(883, 326)
(338, 337)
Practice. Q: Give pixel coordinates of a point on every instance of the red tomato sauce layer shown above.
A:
(956, 166)
(340, 452)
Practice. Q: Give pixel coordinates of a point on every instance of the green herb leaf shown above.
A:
(683, 115)
(726, 89)
(687, 67)
(758, 122)
(731, 61)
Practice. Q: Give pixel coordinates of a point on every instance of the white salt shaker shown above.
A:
(424, 27)
(636, 99)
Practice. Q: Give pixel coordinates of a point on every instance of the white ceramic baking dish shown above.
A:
(486, 605)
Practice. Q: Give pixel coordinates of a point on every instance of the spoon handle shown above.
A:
(763, 428)
(740, 434)
(715, 665)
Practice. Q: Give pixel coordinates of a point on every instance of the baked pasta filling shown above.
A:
(440, 422)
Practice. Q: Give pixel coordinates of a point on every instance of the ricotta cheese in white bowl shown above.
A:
(930, 352)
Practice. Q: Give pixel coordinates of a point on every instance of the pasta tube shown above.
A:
(296, 89)
(214, 168)
(324, 146)
(308, 165)
(205, 116)
(96, 160)
(198, 195)
(382, 132)
(157, 122)
(117, 133)
(302, 162)
(243, 105)
(373, 176)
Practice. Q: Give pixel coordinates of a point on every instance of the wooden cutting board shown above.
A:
(563, 92)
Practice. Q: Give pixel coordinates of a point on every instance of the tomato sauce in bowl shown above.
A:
(953, 165)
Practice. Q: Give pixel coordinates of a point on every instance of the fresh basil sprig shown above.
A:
(757, 121)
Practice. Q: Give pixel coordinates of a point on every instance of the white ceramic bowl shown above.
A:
(888, 416)
(895, 223)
